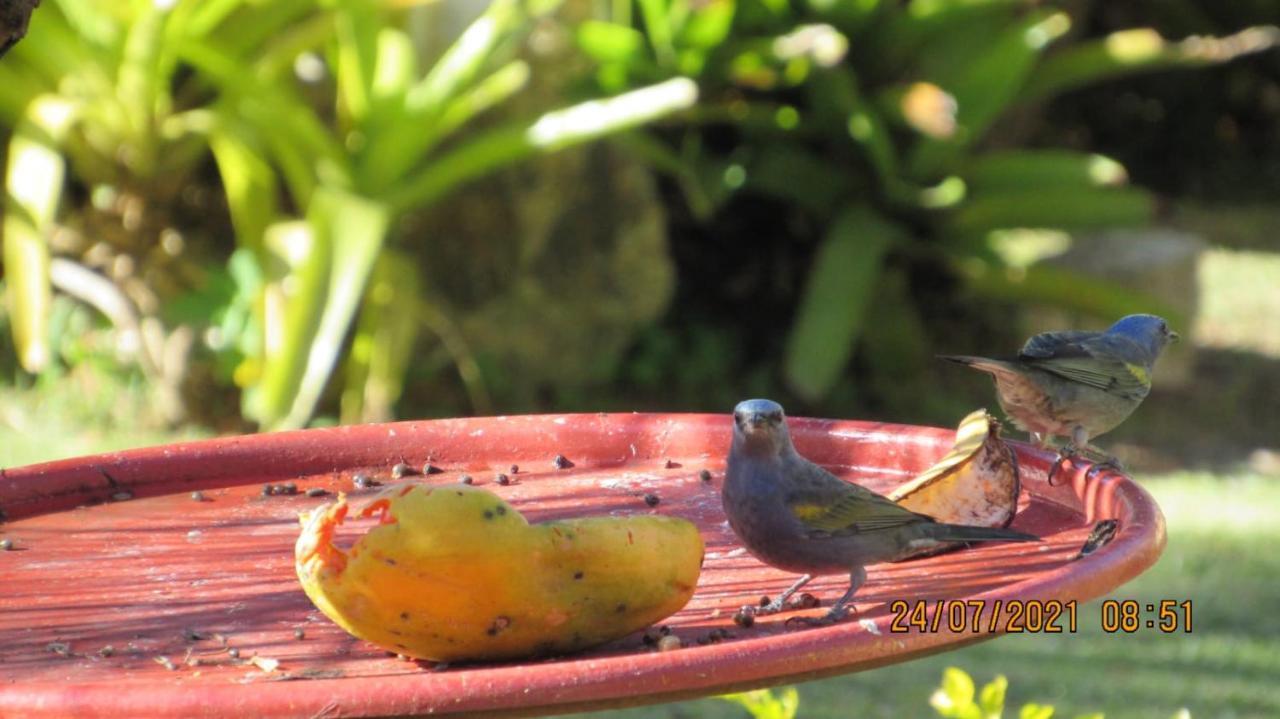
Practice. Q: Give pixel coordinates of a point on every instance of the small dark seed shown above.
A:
(466, 479)
(62, 649)
(804, 601)
(299, 633)
(317, 492)
(705, 475)
(191, 635)
(361, 481)
(399, 470)
(122, 496)
(430, 468)
(503, 479)
(515, 469)
(562, 462)
(106, 651)
(764, 600)
(198, 497)
(290, 488)
(233, 653)
(6, 545)
(670, 464)
(268, 490)
(651, 499)
(744, 619)
(664, 630)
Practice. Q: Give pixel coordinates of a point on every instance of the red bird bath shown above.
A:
(124, 595)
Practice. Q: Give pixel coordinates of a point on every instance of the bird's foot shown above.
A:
(764, 607)
(1110, 463)
(1066, 453)
(834, 616)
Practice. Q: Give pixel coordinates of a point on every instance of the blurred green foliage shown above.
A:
(879, 125)
(325, 131)
(246, 183)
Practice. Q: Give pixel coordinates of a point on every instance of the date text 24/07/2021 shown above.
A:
(1052, 616)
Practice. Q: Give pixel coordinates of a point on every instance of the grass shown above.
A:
(1226, 668)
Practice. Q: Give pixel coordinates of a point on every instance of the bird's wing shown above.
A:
(1105, 362)
(829, 505)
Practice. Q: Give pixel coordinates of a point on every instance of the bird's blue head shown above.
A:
(760, 427)
(1149, 332)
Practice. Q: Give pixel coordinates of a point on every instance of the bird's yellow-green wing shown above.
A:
(1100, 361)
(836, 507)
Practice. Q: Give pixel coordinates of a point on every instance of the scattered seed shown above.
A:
(466, 479)
(6, 545)
(764, 600)
(670, 643)
(198, 496)
(430, 468)
(106, 651)
(651, 499)
(267, 490)
(651, 636)
(562, 462)
(503, 479)
(192, 635)
(670, 464)
(804, 601)
(299, 634)
(361, 481)
(289, 488)
(167, 663)
(719, 634)
(62, 649)
(705, 475)
(515, 469)
(399, 470)
(317, 492)
(265, 664)
(122, 496)
(744, 619)
(233, 653)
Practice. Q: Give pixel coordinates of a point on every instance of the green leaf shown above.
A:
(357, 51)
(249, 182)
(608, 42)
(466, 59)
(141, 91)
(991, 699)
(1015, 170)
(353, 227)
(383, 341)
(1140, 50)
(708, 26)
(551, 132)
(985, 87)
(1058, 287)
(765, 704)
(1056, 207)
(837, 295)
(397, 65)
(1036, 711)
(33, 184)
(294, 303)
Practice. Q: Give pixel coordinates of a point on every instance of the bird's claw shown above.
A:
(1110, 463)
(835, 616)
(1066, 453)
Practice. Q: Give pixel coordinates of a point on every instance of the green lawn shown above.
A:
(1229, 666)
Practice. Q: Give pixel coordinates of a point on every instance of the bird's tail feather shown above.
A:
(964, 533)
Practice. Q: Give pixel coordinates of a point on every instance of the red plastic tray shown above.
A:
(112, 551)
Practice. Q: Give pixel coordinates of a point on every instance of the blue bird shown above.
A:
(1078, 385)
(794, 515)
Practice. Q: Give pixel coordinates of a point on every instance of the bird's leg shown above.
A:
(1070, 450)
(840, 609)
(777, 604)
(1101, 461)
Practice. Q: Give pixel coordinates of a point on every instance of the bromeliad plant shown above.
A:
(879, 122)
(324, 131)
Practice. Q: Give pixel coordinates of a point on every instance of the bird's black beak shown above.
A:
(756, 420)
(1174, 336)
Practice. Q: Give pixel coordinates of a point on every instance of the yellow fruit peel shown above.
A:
(454, 573)
(976, 483)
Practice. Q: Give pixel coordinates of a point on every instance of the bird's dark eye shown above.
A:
(775, 417)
